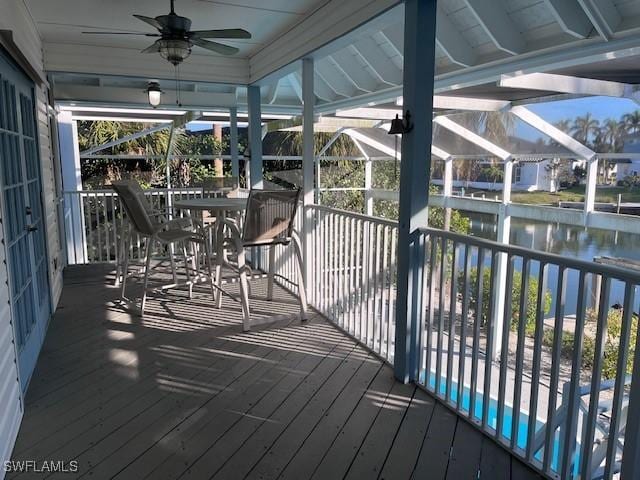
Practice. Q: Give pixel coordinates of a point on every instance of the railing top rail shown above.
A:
(543, 257)
(149, 190)
(360, 216)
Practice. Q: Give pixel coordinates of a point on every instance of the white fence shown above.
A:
(510, 338)
(94, 222)
(551, 387)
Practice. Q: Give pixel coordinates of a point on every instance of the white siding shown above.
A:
(16, 18)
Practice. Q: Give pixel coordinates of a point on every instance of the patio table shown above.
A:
(218, 207)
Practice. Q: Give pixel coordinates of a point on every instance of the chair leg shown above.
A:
(125, 267)
(186, 269)
(220, 256)
(244, 292)
(119, 259)
(173, 264)
(302, 291)
(147, 268)
(207, 253)
(271, 274)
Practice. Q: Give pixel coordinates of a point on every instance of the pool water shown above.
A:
(492, 418)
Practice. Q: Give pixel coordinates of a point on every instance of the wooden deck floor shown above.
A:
(184, 394)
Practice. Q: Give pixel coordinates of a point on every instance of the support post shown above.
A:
(368, 182)
(255, 136)
(308, 167)
(419, 60)
(590, 187)
(500, 276)
(218, 164)
(447, 190)
(71, 182)
(233, 142)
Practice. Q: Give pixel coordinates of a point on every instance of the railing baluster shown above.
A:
(392, 297)
(535, 374)
(477, 322)
(488, 356)
(422, 276)
(595, 378)
(550, 427)
(384, 311)
(441, 309)
(621, 375)
(428, 323)
(573, 400)
(453, 302)
(377, 306)
(462, 359)
(359, 266)
(504, 348)
(522, 321)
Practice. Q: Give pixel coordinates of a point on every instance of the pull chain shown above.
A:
(178, 102)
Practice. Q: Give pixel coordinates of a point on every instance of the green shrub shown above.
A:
(611, 345)
(531, 298)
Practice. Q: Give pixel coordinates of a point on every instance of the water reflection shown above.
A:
(566, 240)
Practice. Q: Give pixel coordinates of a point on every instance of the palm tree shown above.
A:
(564, 125)
(612, 134)
(584, 127)
(631, 122)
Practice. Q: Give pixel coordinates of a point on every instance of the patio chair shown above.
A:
(158, 217)
(155, 232)
(599, 449)
(268, 222)
(220, 186)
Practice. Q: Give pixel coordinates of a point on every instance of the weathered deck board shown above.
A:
(183, 393)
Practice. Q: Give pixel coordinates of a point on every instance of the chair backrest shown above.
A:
(136, 206)
(220, 185)
(269, 217)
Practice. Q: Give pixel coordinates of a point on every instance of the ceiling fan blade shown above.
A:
(224, 33)
(151, 21)
(123, 33)
(215, 46)
(153, 48)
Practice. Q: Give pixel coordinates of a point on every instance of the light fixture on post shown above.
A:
(154, 92)
(398, 127)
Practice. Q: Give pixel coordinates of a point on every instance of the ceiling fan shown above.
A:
(176, 39)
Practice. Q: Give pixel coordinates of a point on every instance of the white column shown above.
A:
(419, 60)
(71, 182)
(255, 136)
(368, 181)
(233, 141)
(308, 167)
(590, 188)
(447, 190)
(500, 275)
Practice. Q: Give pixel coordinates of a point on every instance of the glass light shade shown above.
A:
(155, 94)
(174, 51)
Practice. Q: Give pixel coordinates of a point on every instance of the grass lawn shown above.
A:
(573, 194)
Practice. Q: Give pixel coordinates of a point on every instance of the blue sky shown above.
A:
(600, 107)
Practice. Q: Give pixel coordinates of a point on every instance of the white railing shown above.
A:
(494, 352)
(353, 280)
(535, 349)
(94, 222)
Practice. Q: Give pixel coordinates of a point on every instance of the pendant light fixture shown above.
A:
(154, 92)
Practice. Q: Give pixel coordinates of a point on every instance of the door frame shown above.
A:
(43, 325)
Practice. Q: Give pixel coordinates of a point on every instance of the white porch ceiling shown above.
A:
(477, 42)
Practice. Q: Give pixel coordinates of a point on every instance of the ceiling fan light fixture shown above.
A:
(154, 92)
(174, 51)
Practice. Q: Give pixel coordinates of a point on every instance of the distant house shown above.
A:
(629, 167)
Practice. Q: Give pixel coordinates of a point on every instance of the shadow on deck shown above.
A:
(183, 393)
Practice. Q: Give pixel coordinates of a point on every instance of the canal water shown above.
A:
(568, 241)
